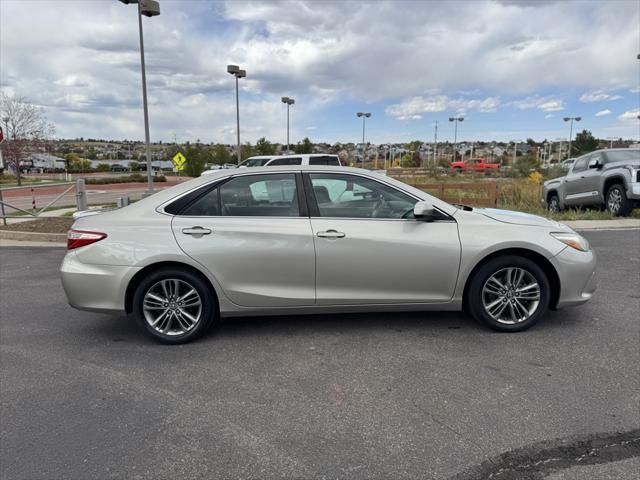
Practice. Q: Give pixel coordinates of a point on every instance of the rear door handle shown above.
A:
(196, 231)
(331, 234)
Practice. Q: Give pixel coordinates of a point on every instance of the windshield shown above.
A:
(623, 155)
(255, 162)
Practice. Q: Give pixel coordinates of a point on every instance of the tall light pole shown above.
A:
(236, 72)
(148, 8)
(435, 144)
(571, 119)
(455, 134)
(364, 116)
(288, 101)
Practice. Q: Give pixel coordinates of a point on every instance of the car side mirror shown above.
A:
(595, 164)
(424, 211)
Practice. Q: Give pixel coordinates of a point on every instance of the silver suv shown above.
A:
(604, 178)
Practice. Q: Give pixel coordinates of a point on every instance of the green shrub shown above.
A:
(133, 178)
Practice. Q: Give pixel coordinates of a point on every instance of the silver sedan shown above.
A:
(291, 240)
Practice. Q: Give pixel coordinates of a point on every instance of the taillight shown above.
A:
(81, 238)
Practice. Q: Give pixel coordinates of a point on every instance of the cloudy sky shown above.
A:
(513, 69)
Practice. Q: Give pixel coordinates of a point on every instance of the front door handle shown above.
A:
(331, 234)
(196, 231)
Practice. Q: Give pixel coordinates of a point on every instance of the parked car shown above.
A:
(604, 178)
(475, 164)
(306, 239)
(305, 159)
(227, 166)
(116, 167)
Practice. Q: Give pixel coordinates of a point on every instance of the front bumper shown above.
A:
(577, 273)
(96, 288)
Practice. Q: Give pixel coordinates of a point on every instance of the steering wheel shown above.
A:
(381, 203)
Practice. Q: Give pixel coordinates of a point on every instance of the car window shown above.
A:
(581, 164)
(623, 155)
(351, 196)
(250, 196)
(255, 162)
(325, 160)
(285, 161)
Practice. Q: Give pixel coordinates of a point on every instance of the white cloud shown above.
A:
(549, 115)
(604, 113)
(598, 96)
(545, 104)
(630, 116)
(414, 108)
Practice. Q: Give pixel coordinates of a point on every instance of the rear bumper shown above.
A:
(577, 272)
(96, 288)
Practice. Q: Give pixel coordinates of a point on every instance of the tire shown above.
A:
(553, 203)
(616, 201)
(508, 309)
(156, 295)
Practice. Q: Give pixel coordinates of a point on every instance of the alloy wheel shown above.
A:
(172, 307)
(511, 295)
(614, 201)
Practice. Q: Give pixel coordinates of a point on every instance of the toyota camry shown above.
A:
(311, 239)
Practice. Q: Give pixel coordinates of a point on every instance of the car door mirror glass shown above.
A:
(595, 163)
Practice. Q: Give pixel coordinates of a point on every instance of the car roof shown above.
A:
(303, 155)
(260, 157)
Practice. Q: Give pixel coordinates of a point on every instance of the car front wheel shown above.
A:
(509, 293)
(174, 306)
(616, 202)
(554, 203)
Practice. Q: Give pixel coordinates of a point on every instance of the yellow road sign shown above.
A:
(178, 161)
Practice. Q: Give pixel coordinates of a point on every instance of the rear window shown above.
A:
(330, 160)
(285, 161)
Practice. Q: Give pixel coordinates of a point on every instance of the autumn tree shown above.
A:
(27, 127)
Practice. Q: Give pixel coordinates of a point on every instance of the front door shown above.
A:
(249, 233)
(370, 250)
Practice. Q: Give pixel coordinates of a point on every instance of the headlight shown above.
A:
(572, 239)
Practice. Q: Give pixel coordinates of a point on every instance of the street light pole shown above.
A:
(364, 116)
(455, 134)
(288, 101)
(148, 8)
(236, 72)
(571, 119)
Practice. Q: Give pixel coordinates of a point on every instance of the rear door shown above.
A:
(370, 250)
(253, 234)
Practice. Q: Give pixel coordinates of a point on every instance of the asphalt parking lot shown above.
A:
(411, 395)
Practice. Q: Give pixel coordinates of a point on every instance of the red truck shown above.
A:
(475, 164)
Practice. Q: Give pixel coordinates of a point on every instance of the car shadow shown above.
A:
(124, 328)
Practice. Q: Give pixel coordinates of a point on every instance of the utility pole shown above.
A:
(435, 145)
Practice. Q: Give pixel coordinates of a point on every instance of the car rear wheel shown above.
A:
(509, 293)
(616, 202)
(553, 203)
(174, 306)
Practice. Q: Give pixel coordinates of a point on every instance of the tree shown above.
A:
(584, 142)
(220, 154)
(27, 127)
(246, 151)
(197, 158)
(305, 147)
(265, 147)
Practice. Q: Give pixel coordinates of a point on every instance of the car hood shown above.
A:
(519, 218)
(553, 180)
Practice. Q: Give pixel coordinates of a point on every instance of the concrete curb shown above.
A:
(33, 236)
(623, 223)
